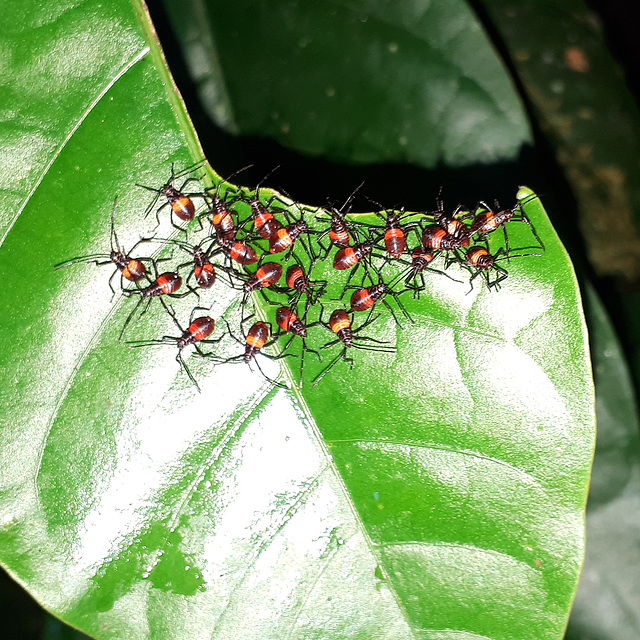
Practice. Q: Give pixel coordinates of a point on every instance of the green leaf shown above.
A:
(605, 605)
(363, 81)
(437, 492)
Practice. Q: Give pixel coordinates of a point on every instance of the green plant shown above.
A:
(442, 494)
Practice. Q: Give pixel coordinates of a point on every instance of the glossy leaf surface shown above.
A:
(436, 492)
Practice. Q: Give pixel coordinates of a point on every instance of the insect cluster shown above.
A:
(272, 248)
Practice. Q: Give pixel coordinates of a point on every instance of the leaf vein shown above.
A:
(299, 500)
(216, 453)
(442, 447)
(139, 56)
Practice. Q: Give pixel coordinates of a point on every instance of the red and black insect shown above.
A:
(364, 298)
(265, 276)
(256, 340)
(352, 255)
(436, 238)
(196, 333)
(284, 238)
(338, 231)
(395, 232)
(166, 284)
(479, 262)
(238, 251)
(289, 322)
(132, 269)
(222, 222)
(339, 235)
(180, 202)
(454, 226)
(421, 259)
(341, 323)
(482, 261)
(298, 281)
(204, 270)
(487, 220)
(453, 223)
(264, 222)
(395, 237)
